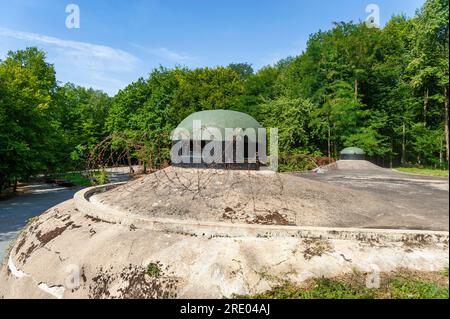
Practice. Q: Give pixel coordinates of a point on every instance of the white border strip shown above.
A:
(218, 229)
(55, 291)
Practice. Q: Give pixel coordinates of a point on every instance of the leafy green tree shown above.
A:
(430, 63)
(244, 70)
(290, 116)
(29, 129)
(338, 116)
(427, 143)
(209, 89)
(258, 88)
(83, 114)
(384, 90)
(127, 102)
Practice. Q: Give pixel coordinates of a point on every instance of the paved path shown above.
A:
(15, 212)
(414, 197)
(36, 199)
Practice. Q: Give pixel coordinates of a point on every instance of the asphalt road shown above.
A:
(36, 199)
(15, 212)
(418, 202)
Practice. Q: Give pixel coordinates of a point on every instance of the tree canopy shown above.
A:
(383, 90)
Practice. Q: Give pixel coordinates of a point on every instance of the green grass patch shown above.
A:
(322, 288)
(83, 179)
(100, 177)
(423, 171)
(154, 270)
(77, 178)
(404, 288)
(398, 285)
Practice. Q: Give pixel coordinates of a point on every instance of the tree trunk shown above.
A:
(425, 107)
(391, 164)
(446, 123)
(403, 160)
(129, 162)
(356, 88)
(15, 185)
(329, 141)
(335, 154)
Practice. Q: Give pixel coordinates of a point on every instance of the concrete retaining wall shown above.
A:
(84, 204)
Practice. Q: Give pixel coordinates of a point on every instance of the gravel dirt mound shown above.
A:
(353, 165)
(248, 197)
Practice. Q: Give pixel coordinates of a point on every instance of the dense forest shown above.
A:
(384, 90)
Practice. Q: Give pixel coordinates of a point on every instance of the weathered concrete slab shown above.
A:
(100, 246)
(108, 260)
(87, 202)
(415, 201)
(262, 198)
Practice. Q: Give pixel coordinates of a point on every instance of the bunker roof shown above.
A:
(220, 119)
(352, 151)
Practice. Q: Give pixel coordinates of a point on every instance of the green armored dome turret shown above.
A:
(228, 128)
(353, 153)
(220, 119)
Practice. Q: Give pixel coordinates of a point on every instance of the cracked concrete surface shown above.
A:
(107, 259)
(415, 201)
(248, 197)
(353, 195)
(112, 263)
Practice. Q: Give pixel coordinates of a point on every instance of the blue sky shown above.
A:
(119, 41)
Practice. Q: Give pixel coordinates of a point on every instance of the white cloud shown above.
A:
(83, 63)
(166, 54)
(171, 55)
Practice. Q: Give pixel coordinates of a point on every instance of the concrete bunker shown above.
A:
(353, 153)
(219, 139)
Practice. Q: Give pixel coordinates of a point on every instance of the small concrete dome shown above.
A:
(353, 153)
(220, 119)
